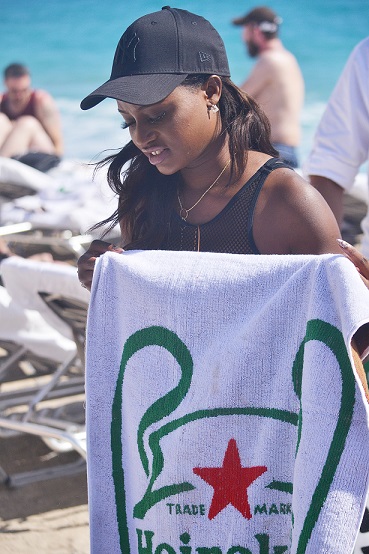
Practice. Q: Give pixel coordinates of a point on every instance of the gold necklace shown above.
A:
(183, 212)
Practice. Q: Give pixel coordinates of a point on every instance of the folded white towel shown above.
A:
(224, 414)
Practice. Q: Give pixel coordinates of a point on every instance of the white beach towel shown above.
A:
(13, 172)
(75, 199)
(224, 413)
(25, 278)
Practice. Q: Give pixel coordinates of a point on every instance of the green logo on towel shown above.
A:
(146, 545)
(161, 408)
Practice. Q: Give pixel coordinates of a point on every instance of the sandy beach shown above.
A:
(41, 517)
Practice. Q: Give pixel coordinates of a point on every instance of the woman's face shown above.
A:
(175, 133)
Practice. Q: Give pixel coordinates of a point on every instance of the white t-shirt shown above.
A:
(341, 142)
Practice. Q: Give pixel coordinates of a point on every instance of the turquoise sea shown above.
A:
(69, 47)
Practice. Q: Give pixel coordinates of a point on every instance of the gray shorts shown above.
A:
(287, 154)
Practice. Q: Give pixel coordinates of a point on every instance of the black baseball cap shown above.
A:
(155, 55)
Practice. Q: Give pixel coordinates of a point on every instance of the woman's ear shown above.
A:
(213, 89)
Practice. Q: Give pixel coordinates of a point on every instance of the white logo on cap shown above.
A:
(133, 43)
(204, 57)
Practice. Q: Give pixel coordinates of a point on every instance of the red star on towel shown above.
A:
(230, 482)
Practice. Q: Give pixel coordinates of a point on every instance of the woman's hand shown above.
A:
(360, 341)
(361, 263)
(86, 262)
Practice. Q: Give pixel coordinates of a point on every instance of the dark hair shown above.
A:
(146, 197)
(15, 70)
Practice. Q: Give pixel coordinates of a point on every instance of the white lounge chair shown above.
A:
(52, 407)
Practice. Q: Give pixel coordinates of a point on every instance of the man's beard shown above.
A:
(253, 49)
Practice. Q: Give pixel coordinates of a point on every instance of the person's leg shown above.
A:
(27, 135)
(5, 128)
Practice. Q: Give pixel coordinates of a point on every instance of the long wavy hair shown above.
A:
(146, 197)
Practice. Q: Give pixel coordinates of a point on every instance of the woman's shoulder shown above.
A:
(285, 180)
(280, 175)
(292, 217)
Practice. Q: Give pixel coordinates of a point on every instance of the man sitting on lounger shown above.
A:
(29, 119)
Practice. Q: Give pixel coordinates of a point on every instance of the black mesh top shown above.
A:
(231, 230)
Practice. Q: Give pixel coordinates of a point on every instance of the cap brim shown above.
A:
(135, 89)
(239, 20)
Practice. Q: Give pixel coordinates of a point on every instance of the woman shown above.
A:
(200, 172)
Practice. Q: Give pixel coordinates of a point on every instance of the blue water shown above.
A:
(69, 46)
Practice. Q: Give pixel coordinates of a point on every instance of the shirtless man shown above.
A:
(29, 119)
(275, 82)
